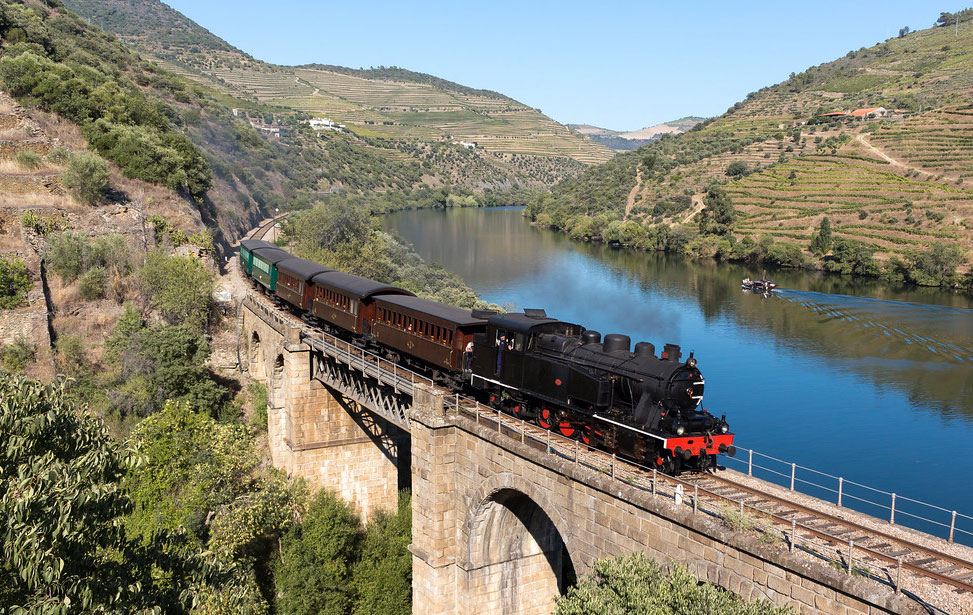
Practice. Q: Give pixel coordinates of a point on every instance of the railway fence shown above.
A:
(893, 507)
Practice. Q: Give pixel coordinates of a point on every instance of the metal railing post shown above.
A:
(523, 430)
(613, 464)
(499, 424)
(793, 533)
(841, 485)
(898, 575)
(750, 464)
(548, 441)
(793, 473)
(695, 499)
(892, 509)
(851, 555)
(577, 452)
(477, 413)
(952, 527)
(654, 478)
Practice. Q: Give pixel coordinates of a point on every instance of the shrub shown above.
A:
(153, 364)
(72, 254)
(258, 392)
(14, 282)
(87, 177)
(18, 355)
(181, 288)
(28, 159)
(634, 584)
(315, 570)
(737, 168)
(92, 283)
(58, 155)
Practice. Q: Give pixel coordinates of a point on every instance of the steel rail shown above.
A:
(944, 557)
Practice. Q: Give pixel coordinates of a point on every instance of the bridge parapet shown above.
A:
(498, 521)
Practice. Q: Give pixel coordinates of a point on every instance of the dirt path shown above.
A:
(895, 162)
(697, 206)
(630, 202)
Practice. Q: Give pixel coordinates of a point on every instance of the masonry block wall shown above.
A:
(311, 433)
(462, 552)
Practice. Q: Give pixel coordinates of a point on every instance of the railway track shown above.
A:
(868, 546)
(858, 548)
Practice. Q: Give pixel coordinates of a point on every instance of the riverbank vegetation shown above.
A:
(341, 232)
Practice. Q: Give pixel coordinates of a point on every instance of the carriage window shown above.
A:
(519, 342)
(450, 341)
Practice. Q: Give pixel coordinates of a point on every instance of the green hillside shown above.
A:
(405, 109)
(786, 165)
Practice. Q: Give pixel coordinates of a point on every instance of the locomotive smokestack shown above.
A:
(615, 342)
(671, 352)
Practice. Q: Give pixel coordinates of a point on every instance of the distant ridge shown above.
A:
(395, 73)
(626, 141)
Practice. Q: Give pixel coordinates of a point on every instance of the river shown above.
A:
(852, 379)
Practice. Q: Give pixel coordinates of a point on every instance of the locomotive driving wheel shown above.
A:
(547, 417)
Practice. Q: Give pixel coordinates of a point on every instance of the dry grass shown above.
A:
(11, 167)
(17, 133)
(64, 131)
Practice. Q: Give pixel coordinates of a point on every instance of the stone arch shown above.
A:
(256, 357)
(278, 377)
(517, 549)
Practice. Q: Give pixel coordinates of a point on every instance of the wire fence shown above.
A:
(892, 507)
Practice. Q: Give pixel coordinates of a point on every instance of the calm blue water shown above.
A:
(859, 381)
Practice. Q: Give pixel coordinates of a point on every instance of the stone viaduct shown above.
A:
(500, 525)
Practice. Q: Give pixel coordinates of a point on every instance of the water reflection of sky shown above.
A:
(878, 391)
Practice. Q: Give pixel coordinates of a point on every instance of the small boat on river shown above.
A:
(763, 285)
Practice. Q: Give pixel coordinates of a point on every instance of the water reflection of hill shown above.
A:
(922, 349)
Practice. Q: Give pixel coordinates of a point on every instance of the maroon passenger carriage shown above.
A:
(347, 301)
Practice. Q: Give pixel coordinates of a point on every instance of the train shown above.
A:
(565, 378)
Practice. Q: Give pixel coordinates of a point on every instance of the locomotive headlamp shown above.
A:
(724, 428)
(680, 429)
(691, 362)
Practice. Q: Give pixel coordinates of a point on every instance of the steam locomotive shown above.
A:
(560, 375)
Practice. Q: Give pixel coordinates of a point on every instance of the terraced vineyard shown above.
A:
(863, 195)
(415, 111)
(939, 143)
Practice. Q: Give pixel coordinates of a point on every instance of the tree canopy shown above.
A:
(62, 514)
(637, 585)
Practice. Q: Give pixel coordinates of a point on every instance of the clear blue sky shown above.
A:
(619, 65)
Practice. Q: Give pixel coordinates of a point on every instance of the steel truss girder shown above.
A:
(364, 389)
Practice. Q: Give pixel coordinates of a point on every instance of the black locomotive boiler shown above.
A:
(628, 401)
